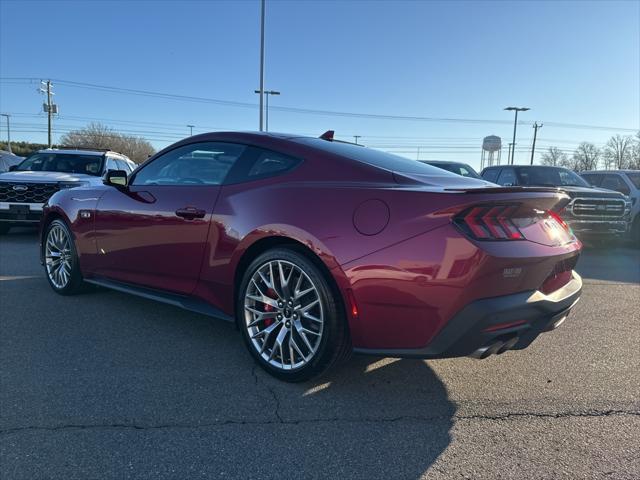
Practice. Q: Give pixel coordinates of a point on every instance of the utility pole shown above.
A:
(535, 134)
(262, 7)
(191, 130)
(515, 125)
(8, 132)
(418, 154)
(49, 107)
(267, 93)
(356, 137)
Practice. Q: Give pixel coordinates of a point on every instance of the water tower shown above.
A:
(491, 145)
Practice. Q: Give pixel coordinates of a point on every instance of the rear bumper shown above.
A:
(515, 320)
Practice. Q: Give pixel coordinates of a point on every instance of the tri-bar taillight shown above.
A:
(490, 222)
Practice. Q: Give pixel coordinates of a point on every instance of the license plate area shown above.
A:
(20, 212)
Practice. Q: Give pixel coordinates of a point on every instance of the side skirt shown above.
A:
(183, 301)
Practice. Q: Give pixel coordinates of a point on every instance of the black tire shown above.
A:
(4, 228)
(74, 283)
(334, 344)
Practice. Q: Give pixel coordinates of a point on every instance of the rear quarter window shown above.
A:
(377, 158)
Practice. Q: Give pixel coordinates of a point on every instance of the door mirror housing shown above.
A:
(115, 178)
(13, 168)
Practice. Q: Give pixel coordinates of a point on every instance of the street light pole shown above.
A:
(191, 130)
(267, 93)
(8, 132)
(262, 6)
(515, 125)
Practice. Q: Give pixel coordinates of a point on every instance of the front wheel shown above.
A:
(61, 259)
(291, 318)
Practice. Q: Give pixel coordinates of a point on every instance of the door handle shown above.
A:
(190, 213)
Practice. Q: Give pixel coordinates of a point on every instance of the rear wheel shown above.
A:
(291, 318)
(61, 259)
(4, 228)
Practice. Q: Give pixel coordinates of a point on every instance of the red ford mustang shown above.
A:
(317, 248)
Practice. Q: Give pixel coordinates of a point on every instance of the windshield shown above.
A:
(457, 168)
(635, 179)
(63, 162)
(549, 177)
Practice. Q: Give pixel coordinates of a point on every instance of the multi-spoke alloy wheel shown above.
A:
(60, 260)
(58, 256)
(283, 314)
(290, 316)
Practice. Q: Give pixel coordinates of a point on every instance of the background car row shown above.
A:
(604, 204)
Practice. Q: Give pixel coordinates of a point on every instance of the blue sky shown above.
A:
(571, 62)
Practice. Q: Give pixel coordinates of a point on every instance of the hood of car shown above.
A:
(30, 176)
(590, 192)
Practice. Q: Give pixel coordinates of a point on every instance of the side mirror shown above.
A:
(115, 178)
(13, 168)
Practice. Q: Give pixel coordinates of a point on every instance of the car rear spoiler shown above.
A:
(498, 189)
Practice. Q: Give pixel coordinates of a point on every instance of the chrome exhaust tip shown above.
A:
(487, 351)
(508, 345)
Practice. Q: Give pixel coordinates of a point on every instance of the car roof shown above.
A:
(82, 151)
(442, 162)
(624, 170)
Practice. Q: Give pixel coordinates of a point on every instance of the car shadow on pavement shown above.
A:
(394, 415)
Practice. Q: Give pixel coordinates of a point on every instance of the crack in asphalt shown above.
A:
(270, 390)
(281, 421)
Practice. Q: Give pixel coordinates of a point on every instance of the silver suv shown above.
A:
(626, 182)
(28, 185)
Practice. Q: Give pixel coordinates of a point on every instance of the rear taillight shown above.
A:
(513, 222)
(490, 222)
(559, 219)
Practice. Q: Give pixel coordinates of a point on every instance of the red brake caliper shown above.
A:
(269, 308)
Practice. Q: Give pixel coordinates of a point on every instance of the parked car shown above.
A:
(458, 168)
(27, 186)
(316, 247)
(7, 160)
(626, 182)
(593, 213)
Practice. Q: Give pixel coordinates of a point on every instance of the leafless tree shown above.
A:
(553, 157)
(97, 135)
(617, 152)
(585, 157)
(634, 161)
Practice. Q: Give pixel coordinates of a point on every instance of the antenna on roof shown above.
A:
(328, 135)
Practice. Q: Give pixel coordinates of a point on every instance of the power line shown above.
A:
(308, 111)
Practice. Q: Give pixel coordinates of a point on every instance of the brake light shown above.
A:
(559, 219)
(492, 222)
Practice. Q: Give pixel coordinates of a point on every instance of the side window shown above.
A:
(270, 163)
(507, 177)
(491, 175)
(123, 165)
(614, 182)
(111, 164)
(205, 163)
(593, 179)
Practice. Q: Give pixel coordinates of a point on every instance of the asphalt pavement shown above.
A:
(106, 385)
